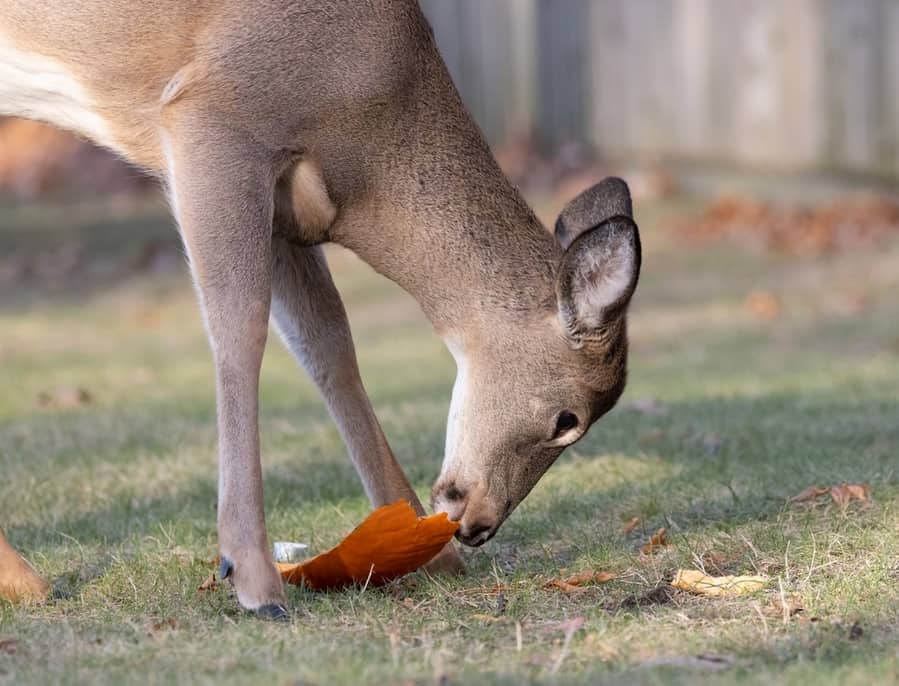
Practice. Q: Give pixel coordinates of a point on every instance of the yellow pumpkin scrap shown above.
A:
(695, 581)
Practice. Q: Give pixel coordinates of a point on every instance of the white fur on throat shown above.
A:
(454, 422)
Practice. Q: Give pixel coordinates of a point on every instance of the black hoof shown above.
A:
(273, 612)
(226, 568)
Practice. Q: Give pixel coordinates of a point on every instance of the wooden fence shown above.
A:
(795, 84)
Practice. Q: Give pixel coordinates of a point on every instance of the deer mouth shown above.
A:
(475, 536)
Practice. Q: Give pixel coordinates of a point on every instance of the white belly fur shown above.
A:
(37, 87)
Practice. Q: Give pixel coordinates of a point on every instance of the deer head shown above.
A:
(532, 386)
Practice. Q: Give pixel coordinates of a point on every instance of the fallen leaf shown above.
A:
(18, 579)
(841, 495)
(860, 491)
(631, 525)
(10, 646)
(658, 540)
(390, 543)
(844, 493)
(168, 624)
(796, 229)
(209, 584)
(786, 606)
(578, 581)
(809, 493)
(64, 398)
(696, 581)
(713, 559)
(764, 305)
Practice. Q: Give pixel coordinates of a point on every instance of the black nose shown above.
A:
(474, 535)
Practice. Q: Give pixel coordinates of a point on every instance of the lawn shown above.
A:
(111, 492)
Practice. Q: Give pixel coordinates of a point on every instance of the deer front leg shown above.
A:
(310, 316)
(221, 188)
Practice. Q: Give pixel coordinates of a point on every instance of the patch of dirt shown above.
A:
(661, 595)
(852, 222)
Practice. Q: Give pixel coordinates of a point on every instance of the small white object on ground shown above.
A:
(289, 552)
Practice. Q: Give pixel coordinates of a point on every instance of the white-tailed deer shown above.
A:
(278, 125)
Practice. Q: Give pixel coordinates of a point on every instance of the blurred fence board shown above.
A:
(777, 83)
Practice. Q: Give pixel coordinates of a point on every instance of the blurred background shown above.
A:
(760, 139)
(761, 142)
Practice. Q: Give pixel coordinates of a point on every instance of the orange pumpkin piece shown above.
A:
(18, 580)
(390, 543)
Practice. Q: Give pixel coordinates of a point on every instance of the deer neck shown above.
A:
(441, 220)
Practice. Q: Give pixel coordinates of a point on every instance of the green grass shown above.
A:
(114, 500)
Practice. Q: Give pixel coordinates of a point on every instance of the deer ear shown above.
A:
(601, 263)
(608, 198)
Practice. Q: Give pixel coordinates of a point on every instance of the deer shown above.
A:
(276, 126)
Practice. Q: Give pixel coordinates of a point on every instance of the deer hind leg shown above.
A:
(311, 319)
(222, 191)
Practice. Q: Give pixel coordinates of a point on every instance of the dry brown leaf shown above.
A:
(577, 582)
(695, 581)
(64, 398)
(713, 559)
(860, 491)
(844, 493)
(764, 305)
(809, 493)
(658, 540)
(786, 606)
(162, 626)
(799, 230)
(841, 494)
(391, 542)
(18, 579)
(209, 584)
(9, 646)
(630, 526)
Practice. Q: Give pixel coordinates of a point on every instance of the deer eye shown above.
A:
(565, 423)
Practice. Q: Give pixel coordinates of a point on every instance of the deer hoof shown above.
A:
(447, 562)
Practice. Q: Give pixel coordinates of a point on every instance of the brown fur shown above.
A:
(278, 125)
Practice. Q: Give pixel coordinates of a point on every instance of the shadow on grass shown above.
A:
(751, 452)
